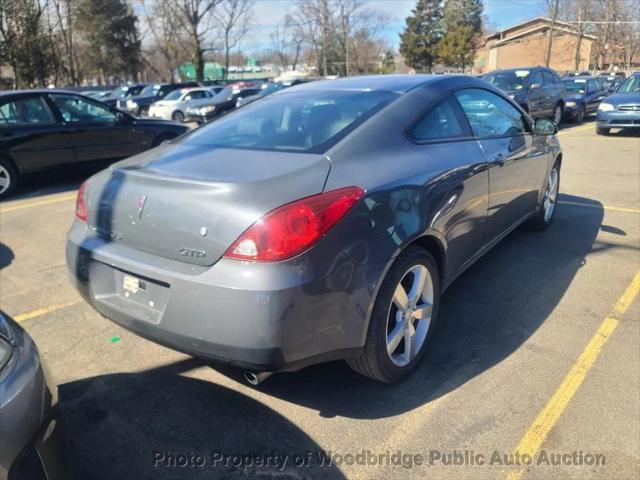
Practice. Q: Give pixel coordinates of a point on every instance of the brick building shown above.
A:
(526, 44)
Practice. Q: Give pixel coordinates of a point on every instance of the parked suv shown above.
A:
(538, 90)
(584, 94)
(139, 104)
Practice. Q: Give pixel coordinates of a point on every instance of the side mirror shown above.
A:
(535, 86)
(545, 127)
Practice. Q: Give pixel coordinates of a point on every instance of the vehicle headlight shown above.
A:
(606, 107)
(571, 104)
(5, 352)
(205, 110)
(131, 104)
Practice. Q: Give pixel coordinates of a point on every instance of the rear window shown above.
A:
(292, 121)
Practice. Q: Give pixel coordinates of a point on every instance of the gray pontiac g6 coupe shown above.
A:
(321, 223)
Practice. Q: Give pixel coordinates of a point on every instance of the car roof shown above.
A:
(38, 90)
(389, 83)
(579, 77)
(520, 69)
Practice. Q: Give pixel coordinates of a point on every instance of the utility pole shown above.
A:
(554, 17)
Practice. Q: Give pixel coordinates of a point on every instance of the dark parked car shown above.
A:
(202, 111)
(584, 94)
(322, 222)
(266, 90)
(538, 90)
(122, 94)
(139, 104)
(42, 129)
(32, 439)
(622, 109)
(613, 81)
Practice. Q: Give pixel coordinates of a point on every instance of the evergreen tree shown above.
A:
(422, 34)
(462, 23)
(388, 64)
(110, 33)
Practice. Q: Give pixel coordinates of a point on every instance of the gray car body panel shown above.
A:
(315, 306)
(28, 398)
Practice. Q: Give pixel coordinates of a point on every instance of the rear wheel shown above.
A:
(557, 114)
(602, 130)
(178, 116)
(402, 320)
(8, 178)
(547, 209)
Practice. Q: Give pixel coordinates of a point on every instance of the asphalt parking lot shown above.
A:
(537, 350)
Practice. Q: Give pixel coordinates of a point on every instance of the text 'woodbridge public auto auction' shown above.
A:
(321, 458)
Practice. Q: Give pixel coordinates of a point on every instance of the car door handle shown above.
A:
(498, 159)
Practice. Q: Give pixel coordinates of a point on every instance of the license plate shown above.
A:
(130, 284)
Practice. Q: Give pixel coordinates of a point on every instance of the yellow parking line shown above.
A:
(37, 203)
(606, 207)
(43, 311)
(548, 417)
(577, 129)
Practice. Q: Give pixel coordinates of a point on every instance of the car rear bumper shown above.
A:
(263, 316)
(618, 120)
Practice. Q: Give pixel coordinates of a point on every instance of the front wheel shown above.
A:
(602, 130)
(547, 209)
(579, 118)
(178, 116)
(402, 320)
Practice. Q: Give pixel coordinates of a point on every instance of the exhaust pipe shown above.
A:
(256, 378)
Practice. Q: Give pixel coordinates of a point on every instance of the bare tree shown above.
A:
(287, 40)
(553, 6)
(233, 18)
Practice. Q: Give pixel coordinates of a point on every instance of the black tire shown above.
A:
(177, 116)
(603, 130)
(374, 361)
(9, 175)
(540, 221)
(579, 118)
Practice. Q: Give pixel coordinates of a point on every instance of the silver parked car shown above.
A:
(322, 222)
(174, 105)
(32, 441)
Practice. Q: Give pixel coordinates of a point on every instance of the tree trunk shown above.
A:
(553, 24)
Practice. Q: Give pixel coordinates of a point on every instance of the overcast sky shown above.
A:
(502, 13)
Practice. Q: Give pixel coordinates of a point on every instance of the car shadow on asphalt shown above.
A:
(486, 315)
(6, 256)
(160, 424)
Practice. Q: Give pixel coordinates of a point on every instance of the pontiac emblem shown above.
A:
(142, 201)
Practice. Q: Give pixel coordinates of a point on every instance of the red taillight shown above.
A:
(81, 206)
(293, 228)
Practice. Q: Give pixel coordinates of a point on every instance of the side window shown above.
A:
(26, 111)
(439, 123)
(490, 115)
(548, 78)
(536, 78)
(77, 109)
(592, 87)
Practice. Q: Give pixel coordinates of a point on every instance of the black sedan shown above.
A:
(208, 109)
(44, 129)
(584, 94)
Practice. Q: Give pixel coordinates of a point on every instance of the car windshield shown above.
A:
(149, 90)
(577, 85)
(293, 121)
(508, 80)
(175, 95)
(630, 85)
(225, 94)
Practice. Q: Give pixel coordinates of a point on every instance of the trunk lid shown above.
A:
(191, 203)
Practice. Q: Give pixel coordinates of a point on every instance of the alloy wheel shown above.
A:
(5, 180)
(550, 194)
(409, 315)
(557, 115)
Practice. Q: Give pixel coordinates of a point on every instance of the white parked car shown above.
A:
(173, 106)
